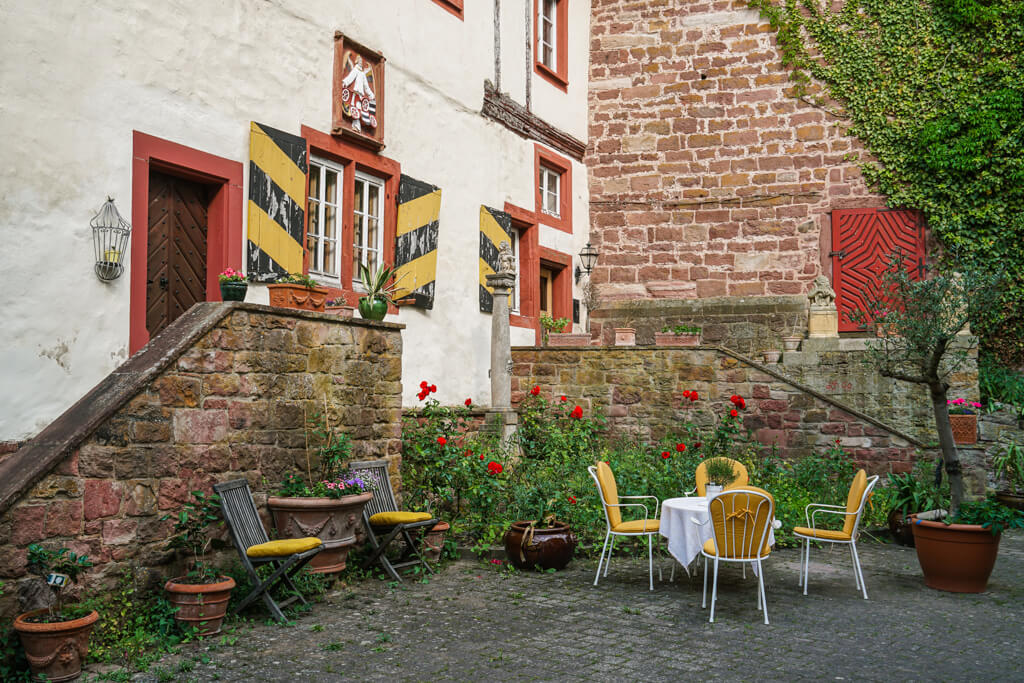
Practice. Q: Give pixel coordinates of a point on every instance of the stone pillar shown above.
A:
(501, 283)
(823, 317)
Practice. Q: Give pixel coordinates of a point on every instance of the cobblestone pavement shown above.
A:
(474, 621)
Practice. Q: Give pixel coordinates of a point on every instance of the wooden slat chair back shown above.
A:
(382, 533)
(247, 531)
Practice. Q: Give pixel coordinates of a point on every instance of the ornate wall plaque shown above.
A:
(358, 98)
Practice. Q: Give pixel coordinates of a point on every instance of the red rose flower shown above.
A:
(494, 467)
(733, 412)
(733, 398)
(423, 384)
(665, 455)
(680, 447)
(535, 390)
(563, 399)
(697, 445)
(686, 394)
(441, 440)
(433, 387)
(572, 499)
(481, 456)
(469, 402)
(422, 395)
(694, 396)
(576, 413)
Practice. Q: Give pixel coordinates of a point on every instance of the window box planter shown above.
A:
(673, 339)
(569, 339)
(288, 295)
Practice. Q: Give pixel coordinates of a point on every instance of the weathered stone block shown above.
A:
(200, 426)
(102, 498)
(63, 518)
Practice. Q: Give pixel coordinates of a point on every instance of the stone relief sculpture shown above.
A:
(506, 259)
(822, 295)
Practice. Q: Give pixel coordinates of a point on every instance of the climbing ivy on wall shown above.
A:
(935, 91)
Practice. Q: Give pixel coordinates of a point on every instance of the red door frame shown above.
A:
(224, 217)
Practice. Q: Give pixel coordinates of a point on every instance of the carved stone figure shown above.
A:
(506, 259)
(822, 295)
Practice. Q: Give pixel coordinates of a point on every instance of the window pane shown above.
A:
(358, 196)
(371, 233)
(314, 216)
(314, 181)
(331, 184)
(357, 258)
(330, 256)
(313, 244)
(373, 203)
(330, 222)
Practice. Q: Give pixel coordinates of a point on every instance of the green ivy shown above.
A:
(934, 89)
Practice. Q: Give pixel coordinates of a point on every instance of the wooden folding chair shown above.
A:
(286, 556)
(385, 523)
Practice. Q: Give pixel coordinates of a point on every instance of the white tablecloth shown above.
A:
(685, 536)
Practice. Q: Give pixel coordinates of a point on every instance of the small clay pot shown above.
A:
(200, 605)
(433, 542)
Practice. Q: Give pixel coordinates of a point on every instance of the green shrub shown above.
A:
(998, 383)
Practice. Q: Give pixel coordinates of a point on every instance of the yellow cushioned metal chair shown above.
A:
(385, 523)
(856, 500)
(701, 477)
(741, 519)
(648, 526)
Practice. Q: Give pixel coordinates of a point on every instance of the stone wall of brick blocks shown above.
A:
(706, 178)
(232, 405)
(640, 391)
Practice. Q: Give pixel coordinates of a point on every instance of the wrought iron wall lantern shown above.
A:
(588, 259)
(110, 240)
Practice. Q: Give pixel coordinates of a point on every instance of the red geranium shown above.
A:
(576, 413)
(469, 402)
(665, 455)
(535, 390)
(494, 467)
(563, 399)
(693, 396)
(441, 440)
(680, 447)
(733, 412)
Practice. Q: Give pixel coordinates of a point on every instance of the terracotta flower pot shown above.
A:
(568, 339)
(955, 557)
(547, 548)
(625, 336)
(673, 339)
(1011, 499)
(200, 605)
(338, 522)
(433, 542)
(771, 357)
(965, 428)
(791, 343)
(341, 311)
(55, 651)
(288, 295)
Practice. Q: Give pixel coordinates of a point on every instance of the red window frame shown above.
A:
(453, 6)
(559, 76)
(561, 165)
(353, 157)
(531, 256)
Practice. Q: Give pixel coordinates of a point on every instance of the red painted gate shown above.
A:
(862, 242)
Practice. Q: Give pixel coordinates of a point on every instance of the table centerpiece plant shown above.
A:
(202, 593)
(56, 638)
(720, 475)
(326, 503)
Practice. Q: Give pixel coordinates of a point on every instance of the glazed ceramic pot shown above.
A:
(55, 651)
(335, 521)
(528, 546)
(233, 291)
(201, 606)
(373, 310)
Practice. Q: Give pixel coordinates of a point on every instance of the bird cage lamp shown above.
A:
(110, 240)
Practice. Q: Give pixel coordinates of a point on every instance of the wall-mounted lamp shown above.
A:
(588, 258)
(110, 239)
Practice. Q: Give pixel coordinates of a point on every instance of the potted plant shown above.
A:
(379, 287)
(910, 493)
(772, 356)
(297, 291)
(720, 474)
(56, 639)
(232, 285)
(678, 335)
(339, 307)
(1008, 464)
(964, 420)
(551, 333)
(433, 542)
(791, 343)
(327, 505)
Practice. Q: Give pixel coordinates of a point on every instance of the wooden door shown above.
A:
(547, 279)
(863, 241)
(176, 254)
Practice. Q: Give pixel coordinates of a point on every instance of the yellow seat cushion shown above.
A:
(823, 534)
(283, 547)
(709, 548)
(637, 526)
(393, 518)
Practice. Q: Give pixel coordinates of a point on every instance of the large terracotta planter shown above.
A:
(673, 339)
(201, 606)
(568, 339)
(547, 548)
(55, 651)
(338, 522)
(965, 428)
(288, 295)
(955, 557)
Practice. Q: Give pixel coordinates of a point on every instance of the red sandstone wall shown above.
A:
(706, 179)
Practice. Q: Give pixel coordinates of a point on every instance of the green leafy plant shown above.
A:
(191, 529)
(1008, 464)
(681, 329)
(298, 279)
(378, 282)
(1000, 384)
(57, 568)
(231, 275)
(990, 514)
(719, 471)
(961, 406)
(913, 492)
(549, 325)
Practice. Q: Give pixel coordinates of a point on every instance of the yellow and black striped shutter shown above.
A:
(419, 205)
(277, 201)
(495, 227)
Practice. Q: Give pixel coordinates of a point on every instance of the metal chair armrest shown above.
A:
(808, 515)
(630, 505)
(841, 511)
(690, 492)
(657, 503)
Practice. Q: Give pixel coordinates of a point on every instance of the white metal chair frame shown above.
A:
(749, 542)
(814, 508)
(610, 535)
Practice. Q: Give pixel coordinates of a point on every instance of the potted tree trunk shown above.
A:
(56, 639)
(201, 594)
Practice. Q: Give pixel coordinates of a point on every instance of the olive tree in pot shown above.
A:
(56, 639)
(201, 595)
(927, 316)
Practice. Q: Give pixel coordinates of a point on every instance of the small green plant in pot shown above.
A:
(56, 639)
(201, 594)
(720, 474)
(551, 325)
(379, 285)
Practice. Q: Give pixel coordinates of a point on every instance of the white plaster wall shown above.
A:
(549, 102)
(77, 79)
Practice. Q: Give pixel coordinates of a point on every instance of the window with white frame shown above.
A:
(323, 235)
(549, 182)
(367, 223)
(546, 41)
